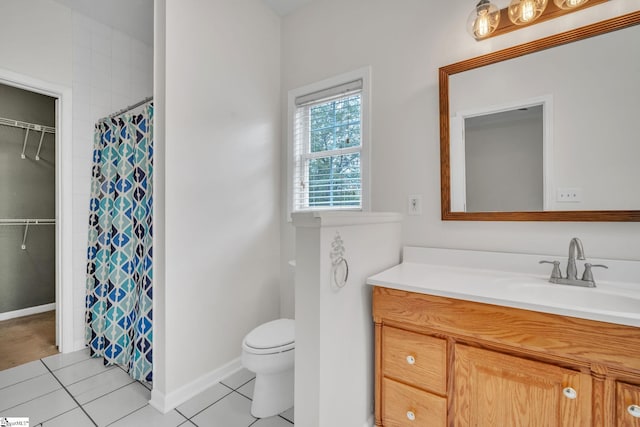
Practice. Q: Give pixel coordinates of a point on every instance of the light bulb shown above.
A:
(481, 28)
(527, 10)
(523, 12)
(483, 20)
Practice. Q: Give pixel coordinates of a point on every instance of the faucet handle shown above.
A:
(555, 273)
(588, 275)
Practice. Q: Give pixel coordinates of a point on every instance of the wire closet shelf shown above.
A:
(28, 127)
(26, 222)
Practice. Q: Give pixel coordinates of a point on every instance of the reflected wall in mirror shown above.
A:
(577, 161)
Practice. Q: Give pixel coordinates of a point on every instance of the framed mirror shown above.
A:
(545, 131)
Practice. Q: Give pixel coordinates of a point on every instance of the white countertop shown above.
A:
(613, 302)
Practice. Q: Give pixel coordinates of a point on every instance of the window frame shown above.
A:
(363, 74)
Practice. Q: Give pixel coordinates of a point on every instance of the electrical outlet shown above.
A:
(570, 195)
(414, 206)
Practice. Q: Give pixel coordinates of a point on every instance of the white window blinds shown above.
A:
(327, 148)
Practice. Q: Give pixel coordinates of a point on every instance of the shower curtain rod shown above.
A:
(129, 108)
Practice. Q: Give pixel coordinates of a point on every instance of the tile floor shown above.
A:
(75, 390)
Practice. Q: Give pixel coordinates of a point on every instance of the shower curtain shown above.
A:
(119, 265)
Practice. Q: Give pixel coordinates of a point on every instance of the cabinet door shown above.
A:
(627, 405)
(494, 389)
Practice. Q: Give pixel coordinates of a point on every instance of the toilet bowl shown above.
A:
(269, 352)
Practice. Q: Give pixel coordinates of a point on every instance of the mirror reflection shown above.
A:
(577, 150)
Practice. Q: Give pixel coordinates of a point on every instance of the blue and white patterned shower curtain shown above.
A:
(119, 265)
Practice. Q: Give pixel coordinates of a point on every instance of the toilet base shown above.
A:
(272, 394)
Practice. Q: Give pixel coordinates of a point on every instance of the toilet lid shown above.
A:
(276, 333)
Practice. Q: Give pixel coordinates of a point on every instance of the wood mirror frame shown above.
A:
(592, 30)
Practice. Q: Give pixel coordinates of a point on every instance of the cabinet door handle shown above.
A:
(411, 416)
(634, 410)
(411, 360)
(570, 393)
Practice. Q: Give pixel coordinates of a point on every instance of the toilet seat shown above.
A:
(272, 337)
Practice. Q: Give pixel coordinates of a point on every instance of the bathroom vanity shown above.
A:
(460, 346)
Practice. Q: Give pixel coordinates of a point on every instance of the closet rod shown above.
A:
(25, 221)
(25, 125)
(129, 108)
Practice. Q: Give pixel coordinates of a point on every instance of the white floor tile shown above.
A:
(81, 370)
(288, 414)
(232, 411)
(20, 373)
(239, 378)
(202, 400)
(98, 385)
(75, 418)
(61, 360)
(27, 390)
(247, 389)
(272, 422)
(118, 404)
(43, 408)
(149, 417)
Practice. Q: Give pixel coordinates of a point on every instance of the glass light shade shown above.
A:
(569, 4)
(523, 12)
(483, 20)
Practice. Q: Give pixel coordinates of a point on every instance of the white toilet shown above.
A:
(269, 351)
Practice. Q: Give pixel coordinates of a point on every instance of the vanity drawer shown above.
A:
(415, 359)
(627, 405)
(407, 406)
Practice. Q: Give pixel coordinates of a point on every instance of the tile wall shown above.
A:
(111, 71)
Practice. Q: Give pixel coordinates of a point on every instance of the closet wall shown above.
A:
(27, 190)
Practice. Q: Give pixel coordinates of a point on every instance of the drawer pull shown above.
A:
(634, 410)
(570, 393)
(411, 360)
(411, 416)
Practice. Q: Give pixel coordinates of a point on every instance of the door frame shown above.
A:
(64, 201)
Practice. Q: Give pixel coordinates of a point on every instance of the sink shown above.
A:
(602, 298)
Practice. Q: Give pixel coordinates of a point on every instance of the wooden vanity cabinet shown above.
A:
(448, 362)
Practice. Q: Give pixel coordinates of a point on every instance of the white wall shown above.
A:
(106, 69)
(111, 71)
(36, 38)
(220, 163)
(406, 42)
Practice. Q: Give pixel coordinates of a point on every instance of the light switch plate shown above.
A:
(414, 206)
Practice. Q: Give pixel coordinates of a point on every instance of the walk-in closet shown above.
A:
(27, 226)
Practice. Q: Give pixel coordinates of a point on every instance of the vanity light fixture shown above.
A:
(483, 20)
(486, 20)
(523, 12)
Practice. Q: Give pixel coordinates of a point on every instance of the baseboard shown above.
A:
(79, 345)
(27, 311)
(167, 402)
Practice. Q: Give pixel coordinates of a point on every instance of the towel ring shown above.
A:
(340, 272)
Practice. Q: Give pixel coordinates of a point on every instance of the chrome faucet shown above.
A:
(572, 272)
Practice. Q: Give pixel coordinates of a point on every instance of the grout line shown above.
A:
(31, 400)
(130, 413)
(112, 391)
(243, 395)
(25, 380)
(66, 366)
(71, 395)
(286, 419)
(209, 406)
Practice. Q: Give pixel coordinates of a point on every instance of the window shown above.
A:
(329, 146)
